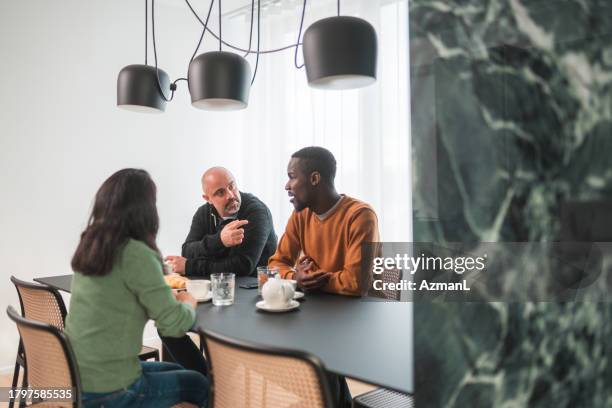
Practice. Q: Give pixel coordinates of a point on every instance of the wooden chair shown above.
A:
(49, 360)
(382, 397)
(388, 276)
(39, 303)
(44, 304)
(250, 376)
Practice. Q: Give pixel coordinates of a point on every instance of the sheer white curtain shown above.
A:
(367, 130)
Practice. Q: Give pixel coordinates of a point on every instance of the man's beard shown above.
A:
(231, 204)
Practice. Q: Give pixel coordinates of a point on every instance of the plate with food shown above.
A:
(176, 281)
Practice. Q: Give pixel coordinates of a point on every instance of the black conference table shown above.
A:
(369, 340)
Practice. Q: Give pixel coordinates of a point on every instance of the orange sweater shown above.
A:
(334, 244)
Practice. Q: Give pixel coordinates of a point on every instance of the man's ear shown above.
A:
(315, 178)
(206, 198)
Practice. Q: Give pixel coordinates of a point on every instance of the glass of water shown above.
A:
(263, 274)
(222, 286)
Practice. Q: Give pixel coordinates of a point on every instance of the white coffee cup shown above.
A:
(199, 288)
(293, 283)
(168, 267)
(277, 292)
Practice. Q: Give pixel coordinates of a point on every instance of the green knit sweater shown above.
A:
(108, 313)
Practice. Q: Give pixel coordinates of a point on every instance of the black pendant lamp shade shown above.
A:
(219, 80)
(138, 90)
(340, 53)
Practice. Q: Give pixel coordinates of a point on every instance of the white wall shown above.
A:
(61, 134)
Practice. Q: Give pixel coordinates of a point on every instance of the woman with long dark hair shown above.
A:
(117, 287)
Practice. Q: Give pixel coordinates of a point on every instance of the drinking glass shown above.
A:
(222, 286)
(263, 274)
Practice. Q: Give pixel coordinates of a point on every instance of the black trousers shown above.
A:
(182, 350)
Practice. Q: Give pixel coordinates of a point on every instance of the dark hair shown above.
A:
(124, 208)
(315, 158)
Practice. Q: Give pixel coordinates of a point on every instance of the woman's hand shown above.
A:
(186, 297)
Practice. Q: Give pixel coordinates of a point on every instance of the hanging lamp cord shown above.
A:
(146, 30)
(203, 30)
(258, 39)
(220, 42)
(236, 48)
(251, 30)
(159, 87)
(297, 45)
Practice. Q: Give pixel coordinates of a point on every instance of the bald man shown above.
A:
(232, 232)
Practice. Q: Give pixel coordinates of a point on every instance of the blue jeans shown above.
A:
(161, 385)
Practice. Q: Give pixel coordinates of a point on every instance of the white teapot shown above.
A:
(277, 292)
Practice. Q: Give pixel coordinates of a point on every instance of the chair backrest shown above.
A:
(41, 303)
(248, 375)
(50, 361)
(387, 276)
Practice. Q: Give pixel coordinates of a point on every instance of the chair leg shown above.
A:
(24, 385)
(19, 361)
(14, 384)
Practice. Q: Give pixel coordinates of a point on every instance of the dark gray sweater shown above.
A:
(206, 253)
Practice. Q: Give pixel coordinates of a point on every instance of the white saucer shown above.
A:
(263, 306)
(205, 298)
(298, 295)
(199, 300)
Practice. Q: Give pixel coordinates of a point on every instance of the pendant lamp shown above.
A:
(219, 80)
(340, 53)
(138, 89)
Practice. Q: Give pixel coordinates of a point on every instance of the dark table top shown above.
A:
(362, 339)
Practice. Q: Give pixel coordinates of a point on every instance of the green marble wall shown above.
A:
(511, 123)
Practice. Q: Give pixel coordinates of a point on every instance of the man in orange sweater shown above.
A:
(321, 246)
